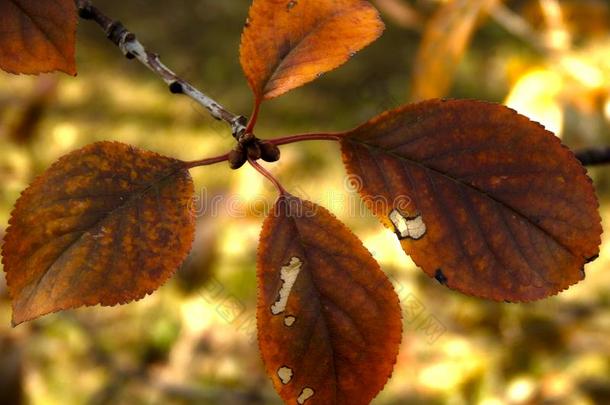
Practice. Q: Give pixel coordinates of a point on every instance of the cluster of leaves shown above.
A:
(483, 199)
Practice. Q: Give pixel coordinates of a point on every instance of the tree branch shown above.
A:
(324, 136)
(207, 161)
(133, 49)
(594, 156)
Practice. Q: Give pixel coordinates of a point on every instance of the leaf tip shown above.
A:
(18, 316)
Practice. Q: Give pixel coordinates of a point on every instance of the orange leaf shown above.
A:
(286, 44)
(37, 36)
(106, 224)
(329, 321)
(483, 199)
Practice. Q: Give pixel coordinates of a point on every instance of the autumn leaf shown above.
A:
(329, 322)
(37, 36)
(286, 44)
(106, 224)
(483, 199)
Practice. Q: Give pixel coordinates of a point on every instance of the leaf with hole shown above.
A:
(483, 199)
(329, 322)
(37, 36)
(286, 44)
(106, 224)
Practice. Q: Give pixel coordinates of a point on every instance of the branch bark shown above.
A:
(127, 42)
(133, 49)
(594, 156)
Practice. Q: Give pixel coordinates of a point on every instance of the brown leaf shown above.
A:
(445, 39)
(286, 44)
(37, 36)
(329, 323)
(106, 224)
(483, 199)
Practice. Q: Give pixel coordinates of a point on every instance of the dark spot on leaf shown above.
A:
(440, 277)
(591, 259)
(291, 4)
(284, 49)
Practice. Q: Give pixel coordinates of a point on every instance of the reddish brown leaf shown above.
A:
(106, 224)
(329, 321)
(37, 36)
(495, 206)
(286, 44)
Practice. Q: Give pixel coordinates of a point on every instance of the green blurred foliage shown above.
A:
(194, 340)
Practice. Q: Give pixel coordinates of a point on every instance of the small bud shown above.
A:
(247, 139)
(237, 158)
(254, 151)
(85, 13)
(176, 88)
(269, 152)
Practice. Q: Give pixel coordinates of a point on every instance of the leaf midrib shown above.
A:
(136, 196)
(40, 28)
(468, 185)
(319, 295)
(278, 67)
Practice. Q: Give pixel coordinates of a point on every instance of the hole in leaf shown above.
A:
(440, 277)
(289, 321)
(285, 374)
(291, 4)
(306, 394)
(408, 227)
(289, 274)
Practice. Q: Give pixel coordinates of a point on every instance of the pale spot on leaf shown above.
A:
(289, 274)
(289, 321)
(406, 227)
(306, 394)
(285, 374)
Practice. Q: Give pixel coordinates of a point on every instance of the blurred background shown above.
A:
(194, 341)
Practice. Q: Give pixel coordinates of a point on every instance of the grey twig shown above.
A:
(517, 26)
(133, 49)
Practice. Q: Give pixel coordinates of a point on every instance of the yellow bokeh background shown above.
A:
(194, 340)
